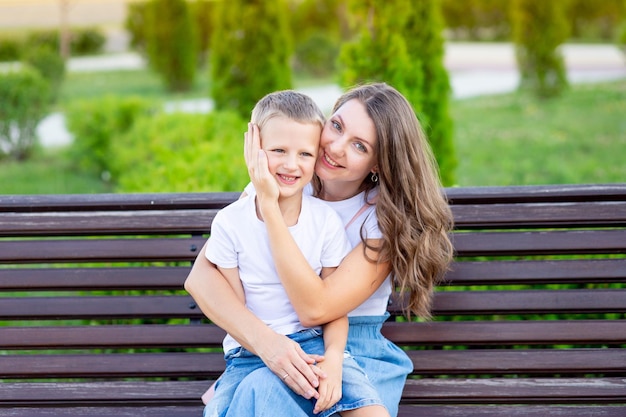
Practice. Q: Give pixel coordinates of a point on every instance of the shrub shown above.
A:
(424, 38)
(9, 49)
(87, 41)
(24, 101)
(180, 152)
(95, 124)
(539, 28)
(50, 64)
(250, 53)
(170, 43)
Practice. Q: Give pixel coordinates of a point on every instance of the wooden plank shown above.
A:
(101, 307)
(101, 250)
(105, 411)
(84, 279)
(105, 392)
(579, 271)
(445, 303)
(414, 334)
(576, 301)
(106, 223)
(535, 215)
(485, 333)
(511, 411)
(516, 361)
(113, 365)
(540, 243)
(514, 390)
(112, 337)
(116, 201)
(536, 193)
(416, 391)
(561, 362)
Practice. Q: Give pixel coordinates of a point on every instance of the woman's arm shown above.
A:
(319, 301)
(220, 304)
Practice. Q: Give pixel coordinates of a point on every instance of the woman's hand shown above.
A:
(264, 183)
(290, 363)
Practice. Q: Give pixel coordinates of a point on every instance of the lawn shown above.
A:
(508, 139)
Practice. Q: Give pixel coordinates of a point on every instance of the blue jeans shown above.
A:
(386, 366)
(244, 368)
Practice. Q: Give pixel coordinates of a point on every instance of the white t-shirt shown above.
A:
(377, 303)
(239, 240)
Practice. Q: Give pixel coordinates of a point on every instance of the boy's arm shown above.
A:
(335, 339)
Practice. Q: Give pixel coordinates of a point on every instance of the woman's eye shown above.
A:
(360, 147)
(336, 125)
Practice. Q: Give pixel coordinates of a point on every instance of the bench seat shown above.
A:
(529, 322)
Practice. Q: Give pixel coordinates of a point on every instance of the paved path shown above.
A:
(475, 69)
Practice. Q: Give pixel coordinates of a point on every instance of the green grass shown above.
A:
(516, 139)
(46, 173)
(508, 139)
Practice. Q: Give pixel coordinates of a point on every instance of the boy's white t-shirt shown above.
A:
(377, 303)
(239, 240)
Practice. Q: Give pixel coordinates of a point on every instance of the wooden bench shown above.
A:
(94, 320)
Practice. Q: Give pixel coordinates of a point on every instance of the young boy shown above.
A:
(290, 125)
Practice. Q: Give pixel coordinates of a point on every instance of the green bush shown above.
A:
(87, 41)
(250, 52)
(539, 28)
(425, 43)
(317, 55)
(180, 152)
(95, 124)
(135, 24)
(9, 49)
(83, 41)
(170, 43)
(50, 65)
(24, 101)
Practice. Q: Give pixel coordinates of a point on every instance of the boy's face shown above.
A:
(291, 149)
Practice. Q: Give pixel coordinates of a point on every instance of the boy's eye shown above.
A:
(307, 154)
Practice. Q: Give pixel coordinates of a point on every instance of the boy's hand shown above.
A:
(264, 183)
(330, 387)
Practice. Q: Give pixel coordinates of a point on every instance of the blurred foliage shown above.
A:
(24, 101)
(539, 28)
(250, 52)
(425, 43)
(50, 65)
(10, 48)
(170, 43)
(490, 20)
(181, 152)
(319, 27)
(95, 124)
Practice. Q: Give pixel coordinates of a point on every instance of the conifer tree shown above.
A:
(379, 53)
(425, 43)
(539, 28)
(170, 43)
(250, 52)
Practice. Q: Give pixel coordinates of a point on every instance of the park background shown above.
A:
(117, 124)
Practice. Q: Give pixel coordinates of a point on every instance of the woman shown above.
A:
(376, 169)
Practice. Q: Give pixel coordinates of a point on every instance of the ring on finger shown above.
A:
(285, 376)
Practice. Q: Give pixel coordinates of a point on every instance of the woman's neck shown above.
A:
(338, 191)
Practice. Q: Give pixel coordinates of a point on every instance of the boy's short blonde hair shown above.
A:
(290, 104)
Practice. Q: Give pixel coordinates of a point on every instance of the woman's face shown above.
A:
(347, 146)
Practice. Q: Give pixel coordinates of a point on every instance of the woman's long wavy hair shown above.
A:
(413, 213)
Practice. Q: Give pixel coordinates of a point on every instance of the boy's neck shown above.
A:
(290, 208)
